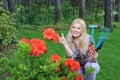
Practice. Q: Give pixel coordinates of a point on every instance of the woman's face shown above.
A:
(76, 30)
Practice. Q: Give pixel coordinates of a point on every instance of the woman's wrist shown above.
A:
(92, 59)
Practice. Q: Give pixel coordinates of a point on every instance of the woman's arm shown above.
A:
(63, 41)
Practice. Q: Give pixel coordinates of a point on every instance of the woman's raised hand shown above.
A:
(62, 40)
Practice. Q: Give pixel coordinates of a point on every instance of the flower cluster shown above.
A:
(69, 64)
(55, 58)
(50, 34)
(74, 65)
(25, 40)
(37, 46)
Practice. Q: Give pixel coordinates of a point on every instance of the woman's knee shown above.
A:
(96, 66)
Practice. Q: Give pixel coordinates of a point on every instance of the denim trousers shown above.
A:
(92, 76)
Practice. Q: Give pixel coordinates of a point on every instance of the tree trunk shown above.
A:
(72, 4)
(29, 6)
(108, 18)
(18, 2)
(117, 16)
(11, 5)
(49, 3)
(82, 9)
(57, 11)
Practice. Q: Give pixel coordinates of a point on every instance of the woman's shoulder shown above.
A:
(88, 36)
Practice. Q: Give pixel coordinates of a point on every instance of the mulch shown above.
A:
(8, 49)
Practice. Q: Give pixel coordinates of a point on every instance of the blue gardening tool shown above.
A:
(92, 26)
(103, 36)
(91, 47)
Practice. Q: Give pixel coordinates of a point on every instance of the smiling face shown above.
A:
(76, 30)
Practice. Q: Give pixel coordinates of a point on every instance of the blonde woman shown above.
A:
(77, 45)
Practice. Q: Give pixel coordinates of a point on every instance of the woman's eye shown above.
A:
(73, 27)
(78, 28)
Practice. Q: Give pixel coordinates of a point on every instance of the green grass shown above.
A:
(108, 56)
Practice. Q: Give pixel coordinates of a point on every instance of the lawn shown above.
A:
(108, 56)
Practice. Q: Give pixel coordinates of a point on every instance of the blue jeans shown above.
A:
(92, 76)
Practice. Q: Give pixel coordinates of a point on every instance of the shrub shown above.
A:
(7, 28)
(29, 61)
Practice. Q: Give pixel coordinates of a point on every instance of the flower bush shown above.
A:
(29, 61)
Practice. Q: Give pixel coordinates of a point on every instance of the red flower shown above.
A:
(50, 34)
(37, 41)
(38, 47)
(25, 40)
(69, 62)
(74, 65)
(55, 37)
(79, 77)
(55, 58)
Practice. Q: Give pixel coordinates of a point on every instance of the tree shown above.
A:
(82, 9)
(117, 16)
(11, 5)
(57, 11)
(108, 18)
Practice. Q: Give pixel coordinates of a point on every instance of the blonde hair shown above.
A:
(84, 38)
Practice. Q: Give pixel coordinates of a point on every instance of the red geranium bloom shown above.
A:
(38, 47)
(37, 41)
(69, 62)
(79, 77)
(55, 37)
(25, 40)
(55, 58)
(74, 65)
(50, 34)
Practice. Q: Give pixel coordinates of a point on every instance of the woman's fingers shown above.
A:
(63, 36)
(94, 55)
(62, 39)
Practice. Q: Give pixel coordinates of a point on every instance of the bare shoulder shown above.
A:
(88, 36)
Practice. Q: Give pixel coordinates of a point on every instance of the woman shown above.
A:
(77, 45)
